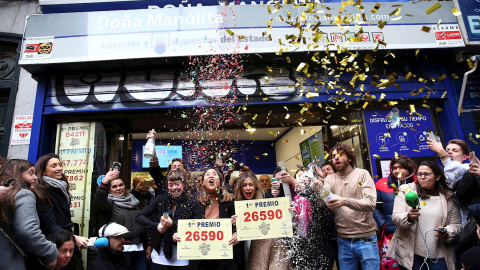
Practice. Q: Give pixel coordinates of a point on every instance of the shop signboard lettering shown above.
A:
(134, 34)
(471, 18)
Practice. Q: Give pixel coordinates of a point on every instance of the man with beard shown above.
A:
(354, 202)
(112, 256)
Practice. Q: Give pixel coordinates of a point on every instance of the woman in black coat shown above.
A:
(215, 202)
(53, 198)
(116, 205)
(161, 217)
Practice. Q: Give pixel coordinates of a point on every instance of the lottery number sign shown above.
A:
(262, 219)
(205, 239)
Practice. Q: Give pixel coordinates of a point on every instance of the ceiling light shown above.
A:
(121, 138)
(333, 127)
(250, 129)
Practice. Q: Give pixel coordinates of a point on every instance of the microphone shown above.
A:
(101, 242)
(412, 199)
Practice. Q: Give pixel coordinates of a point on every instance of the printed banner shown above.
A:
(396, 131)
(22, 129)
(205, 239)
(153, 33)
(75, 145)
(262, 219)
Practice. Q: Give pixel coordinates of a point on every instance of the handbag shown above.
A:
(386, 263)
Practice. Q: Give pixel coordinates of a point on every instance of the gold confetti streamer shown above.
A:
(375, 9)
(433, 8)
(456, 12)
(426, 29)
(229, 32)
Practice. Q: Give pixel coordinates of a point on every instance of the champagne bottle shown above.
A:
(150, 147)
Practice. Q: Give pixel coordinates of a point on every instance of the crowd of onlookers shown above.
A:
(421, 216)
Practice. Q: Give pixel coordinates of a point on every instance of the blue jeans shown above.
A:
(363, 251)
(441, 264)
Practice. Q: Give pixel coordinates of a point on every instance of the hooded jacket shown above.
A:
(402, 247)
(386, 197)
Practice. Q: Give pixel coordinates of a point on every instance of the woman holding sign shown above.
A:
(263, 254)
(215, 202)
(166, 210)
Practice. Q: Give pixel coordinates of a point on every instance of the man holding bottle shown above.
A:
(354, 201)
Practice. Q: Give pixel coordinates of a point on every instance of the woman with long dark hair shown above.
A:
(20, 226)
(69, 256)
(176, 204)
(53, 198)
(424, 233)
(215, 202)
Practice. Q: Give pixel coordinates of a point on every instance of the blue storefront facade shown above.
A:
(135, 65)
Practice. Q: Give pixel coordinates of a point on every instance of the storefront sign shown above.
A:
(60, 6)
(471, 19)
(153, 33)
(263, 219)
(22, 129)
(205, 239)
(396, 131)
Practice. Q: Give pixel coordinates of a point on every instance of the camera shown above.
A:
(116, 166)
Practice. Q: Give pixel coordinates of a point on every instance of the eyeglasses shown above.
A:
(426, 174)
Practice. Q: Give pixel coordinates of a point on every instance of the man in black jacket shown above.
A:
(112, 256)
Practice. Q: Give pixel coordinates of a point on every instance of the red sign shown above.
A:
(447, 35)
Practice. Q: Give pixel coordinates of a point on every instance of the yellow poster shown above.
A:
(262, 219)
(205, 239)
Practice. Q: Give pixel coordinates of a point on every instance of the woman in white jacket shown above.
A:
(419, 240)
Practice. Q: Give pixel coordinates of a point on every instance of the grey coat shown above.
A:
(26, 233)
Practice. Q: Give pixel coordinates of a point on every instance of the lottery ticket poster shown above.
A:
(75, 146)
(205, 239)
(263, 219)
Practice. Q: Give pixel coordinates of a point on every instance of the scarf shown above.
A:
(59, 184)
(179, 201)
(129, 201)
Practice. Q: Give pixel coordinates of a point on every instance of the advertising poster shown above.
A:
(22, 129)
(262, 219)
(75, 146)
(205, 239)
(312, 149)
(397, 131)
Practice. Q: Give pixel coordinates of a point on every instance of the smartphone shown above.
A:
(149, 183)
(9, 181)
(116, 166)
(273, 180)
(471, 157)
(431, 135)
(239, 166)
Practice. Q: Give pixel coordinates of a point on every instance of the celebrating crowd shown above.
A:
(421, 216)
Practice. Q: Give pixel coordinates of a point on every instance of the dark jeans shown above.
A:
(138, 260)
(418, 261)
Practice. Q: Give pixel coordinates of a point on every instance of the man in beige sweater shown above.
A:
(354, 202)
